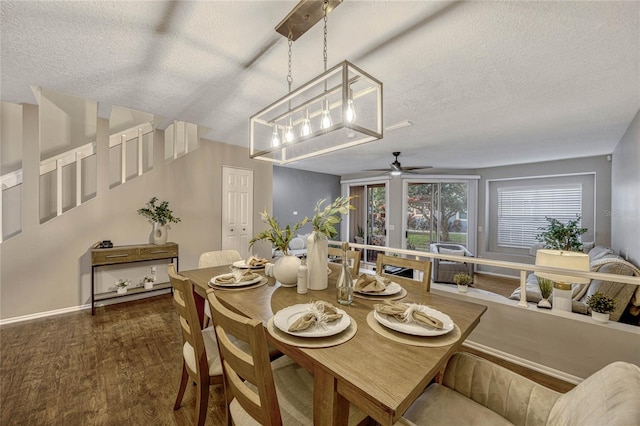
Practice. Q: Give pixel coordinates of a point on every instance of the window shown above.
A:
(522, 211)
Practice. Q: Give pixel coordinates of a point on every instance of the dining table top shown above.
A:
(379, 375)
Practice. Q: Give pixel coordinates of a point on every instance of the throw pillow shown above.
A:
(459, 252)
(303, 237)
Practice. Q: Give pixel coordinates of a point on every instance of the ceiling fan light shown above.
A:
(395, 173)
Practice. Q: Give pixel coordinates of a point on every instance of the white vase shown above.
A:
(285, 270)
(121, 290)
(463, 288)
(148, 285)
(317, 261)
(159, 233)
(544, 303)
(600, 317)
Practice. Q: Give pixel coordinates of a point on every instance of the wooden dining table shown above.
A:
(377, 374)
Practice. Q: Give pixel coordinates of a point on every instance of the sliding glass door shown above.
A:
(368, 222)
(436, 212)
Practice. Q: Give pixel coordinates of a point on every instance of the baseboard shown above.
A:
(560, 375)
(82, 307)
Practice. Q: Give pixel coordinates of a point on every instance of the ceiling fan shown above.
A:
(396, 169)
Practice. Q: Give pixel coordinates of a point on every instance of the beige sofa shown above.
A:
(475, 391)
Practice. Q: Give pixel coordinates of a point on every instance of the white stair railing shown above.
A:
(120, 138)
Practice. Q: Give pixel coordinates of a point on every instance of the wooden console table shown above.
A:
(128, 254)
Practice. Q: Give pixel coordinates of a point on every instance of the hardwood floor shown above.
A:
(121, 366)
(495, 284)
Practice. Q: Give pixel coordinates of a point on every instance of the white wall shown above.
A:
(625, 194)
(47, 267)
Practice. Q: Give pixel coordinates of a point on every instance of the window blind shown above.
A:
(522, 211)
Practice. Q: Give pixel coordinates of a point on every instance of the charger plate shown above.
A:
(262, 282)
(425, 341)
(371, 296)
(316, 342)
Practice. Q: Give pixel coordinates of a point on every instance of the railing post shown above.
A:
(523, 289)
(59, 164)
(78, 178)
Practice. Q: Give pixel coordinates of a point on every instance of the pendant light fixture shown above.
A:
(319, 116)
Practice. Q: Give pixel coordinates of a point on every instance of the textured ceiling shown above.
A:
(484, 83)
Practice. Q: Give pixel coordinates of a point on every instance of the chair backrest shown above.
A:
(353, 258)
(189, 321)
(240, 367)
(419, 267)
(459, 249)
(218, 258)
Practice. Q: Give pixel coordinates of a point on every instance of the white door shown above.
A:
(237, 209)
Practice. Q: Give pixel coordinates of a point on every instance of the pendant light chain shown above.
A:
(325, 6)
(289, 78)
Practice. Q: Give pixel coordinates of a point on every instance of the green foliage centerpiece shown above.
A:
(278, 236)
(324, 223)
(562, 236)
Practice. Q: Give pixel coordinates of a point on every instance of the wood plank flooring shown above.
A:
(119, 367)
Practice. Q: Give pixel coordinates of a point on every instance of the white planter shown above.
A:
(285, 270)
(463, 288)
(159, 233)
(317, 261)
(121, 290)
(600, 317)
(148, 285)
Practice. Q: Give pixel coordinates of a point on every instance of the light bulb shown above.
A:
(275, 138)
(351, 110)
(288, 135)
(325, 121)
(306, 124)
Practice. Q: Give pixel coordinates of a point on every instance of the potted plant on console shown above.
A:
(462, 280)
(601, 306)
(160, 216)
(324, 222)
(285, 269)
(121, 285)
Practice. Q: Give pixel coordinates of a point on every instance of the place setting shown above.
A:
(252, 263)
(376, 287)
(237, 279)
(413, 324)
(316, 324)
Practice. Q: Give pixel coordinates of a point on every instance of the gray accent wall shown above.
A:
(298, 191)
(600, 165)
(625, 194)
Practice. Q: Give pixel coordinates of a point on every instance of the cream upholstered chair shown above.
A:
(475, 391)
(353, 259)
(259, 392)
(201, 362)
(210, 259)
(420, 267)
(444, 270)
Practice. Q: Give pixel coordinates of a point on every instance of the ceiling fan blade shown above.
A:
(405, 169)
(376, 170)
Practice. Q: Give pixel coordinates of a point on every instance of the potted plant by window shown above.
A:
(324, 223)
(462, 280)
(562, 236)
(601, 306)
(285, 269)
(546, 288)
(121, 285)
(160, 216)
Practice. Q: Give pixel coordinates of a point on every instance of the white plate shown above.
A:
(243, 265)
(287, 316)
(415, 328)
(238, 284)
(392, 288)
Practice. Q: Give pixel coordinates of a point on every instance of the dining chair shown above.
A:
(353, 259)
(421, 270)
(211, 259)
(200, 357)
(260, 392)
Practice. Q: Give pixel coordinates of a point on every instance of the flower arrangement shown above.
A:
(122, 284)
(598, 302)
(159, 213)
(325, 219)
(279, 237)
